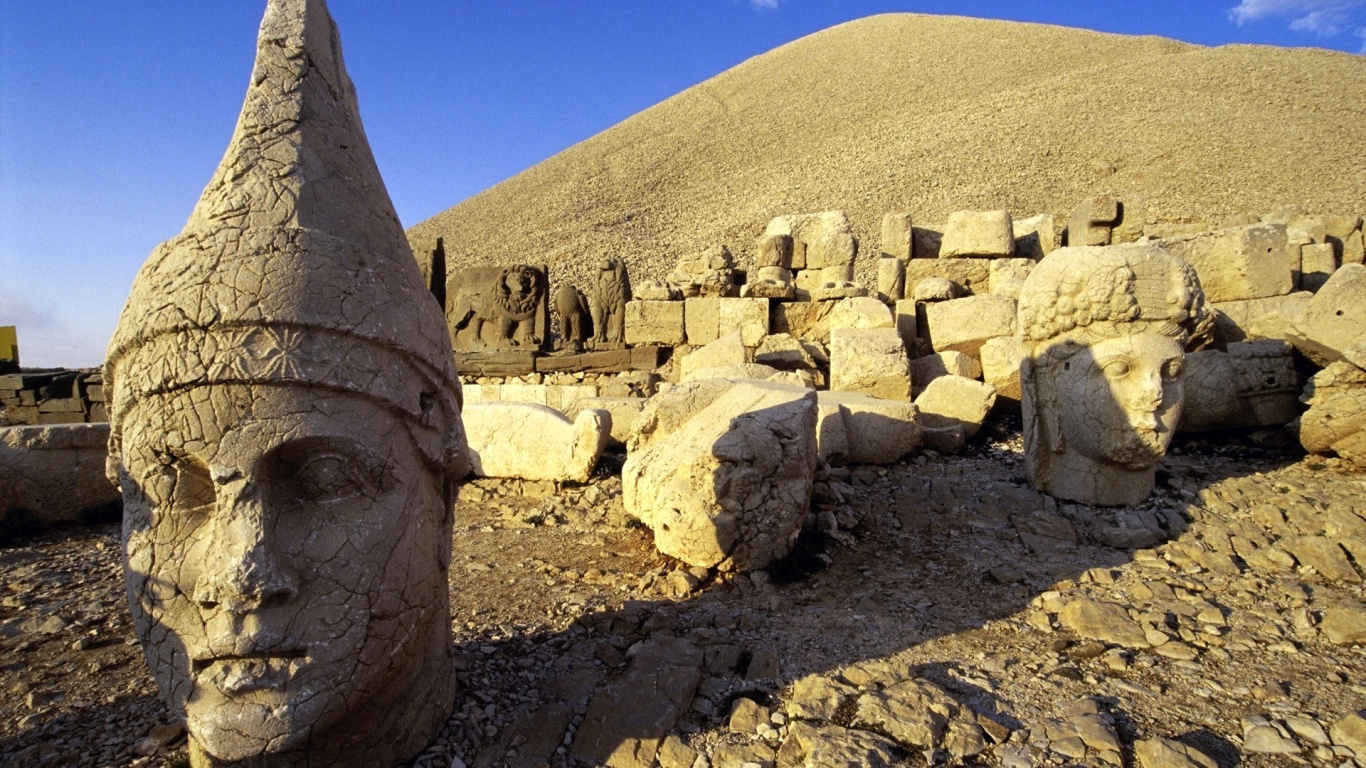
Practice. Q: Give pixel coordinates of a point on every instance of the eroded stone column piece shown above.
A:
(286, 434)
(1105, 331)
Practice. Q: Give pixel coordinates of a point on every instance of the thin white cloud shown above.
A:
(1325, 17)
(764, 5)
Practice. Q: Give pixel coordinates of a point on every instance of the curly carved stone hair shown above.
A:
(1086, 294)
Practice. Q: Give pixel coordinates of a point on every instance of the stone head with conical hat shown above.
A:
(1105, 332)
(286, 431)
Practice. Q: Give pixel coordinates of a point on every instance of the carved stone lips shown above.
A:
(235, 674)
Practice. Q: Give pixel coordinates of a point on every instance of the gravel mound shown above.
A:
(933, 114)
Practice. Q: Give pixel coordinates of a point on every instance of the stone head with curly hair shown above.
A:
(1105, 332)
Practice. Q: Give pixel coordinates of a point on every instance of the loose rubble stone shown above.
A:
(1336, 419)
(623, 412)
(871, 361)
(935, 289)
(831, 746)
(859, 429)
(1107, 622)
(1001, 358)
(1252, 384)
(1261, 735)
(1345, 624)
(1350, 731)
(1035, 237)
(1335, 319)
(930, 367)
(1273, 317)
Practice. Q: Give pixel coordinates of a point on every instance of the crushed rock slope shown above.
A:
(933, 114)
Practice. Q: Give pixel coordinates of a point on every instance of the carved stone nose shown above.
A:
(241, 573)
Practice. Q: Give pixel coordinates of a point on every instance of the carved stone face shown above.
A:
(284, 552)
(1118, 401)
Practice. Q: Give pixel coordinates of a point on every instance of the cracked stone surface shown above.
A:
(1105, 330)
(285, 429)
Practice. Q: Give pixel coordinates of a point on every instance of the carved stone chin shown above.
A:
(1105, 332)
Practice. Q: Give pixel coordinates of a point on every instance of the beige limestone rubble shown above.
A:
(710, 318)
(1274, 317)
(786, 352)
(285, 428)
(656, 290)
(1001, 358)
(871, 361)
(978, 233)
(721, 471)
(727, 350)
(1105, 332)
(1335, 319)
(853, 428)
(969, 276)
(860, 312)
(935, 289)
(956, 401)
(1318, 262)
(534, 442)
(773, 251)
(964, 325)
(1007, 276)
(1239, 263)
(930, 367)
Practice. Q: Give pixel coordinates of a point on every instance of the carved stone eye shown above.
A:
(1172, 369)
(1116, 369)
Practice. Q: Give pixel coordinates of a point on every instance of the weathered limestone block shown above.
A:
(727, 350)
(1035, 237)
(747, 371)
(871, 361)
(499, 307)
(656, 322)
(1253, 384)
(770, 283)
(708, 319)
(536, 394)
(55, 474)
(1001, 359)
(1274, 317)
(831, 250)
(534, 442)
(858, 429)
(1105, 332)
(898, 240)
(969, 276)
(833, 290)
(1318, 262)
(285, 428)
(730, 484)
(773, 251)
(964, 325)
(1237, 264)
(951, 401)
(862, 312)
(1093, 221)
(807, 228)
(1335, 319)
(623, 410)
(906, 323)
(978, 233)
(788, 353)
(804, 319)
(1336, 419)
(930, 367)
(891, 279)
(1133, 215)
(926, 240)
(708, 273)
(1352, 249)
(1008, 275)
(562, 397)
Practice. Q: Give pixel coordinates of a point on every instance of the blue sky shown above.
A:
(114, 114)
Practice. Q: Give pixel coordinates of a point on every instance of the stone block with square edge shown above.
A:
(789, 353)
(964, 325)
(956, 401)
(656, 322)
(898, 240)
(891, 279)
(930, 367)
(1035, 237)
(727, 350)
(773, 251)
(1239, 263)
(1001, 358)
(861, 312)
(853, 428)
(872, 361)
(624, 412)
(1318, 262)
(748, 316)
(831, 249)
(971, 276)
(1335, 318)
(805, 229)
(1274, 317)
(978, 233)
(1253, 384)
(1092, 221)
(702, 317)
(524, 393)
(805, 319)
(56, 472)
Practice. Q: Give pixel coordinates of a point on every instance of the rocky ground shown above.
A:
(937, 612)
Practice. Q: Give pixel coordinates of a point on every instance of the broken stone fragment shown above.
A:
(655, 322)
(1252, 384)
(727, 350)
(534, 442)
(1336, 419)
(872, 361)
(862, 312)
(858, 429)
(956, 401)
(1237, 264)
(897, 237)
(964, 325)
(1335, 318)
(721, 471)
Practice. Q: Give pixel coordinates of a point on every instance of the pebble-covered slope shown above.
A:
(933, 114)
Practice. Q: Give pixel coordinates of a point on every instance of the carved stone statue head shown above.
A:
(285, 428)
(1105, 333)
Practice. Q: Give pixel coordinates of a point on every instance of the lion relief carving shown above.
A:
(498, 307)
